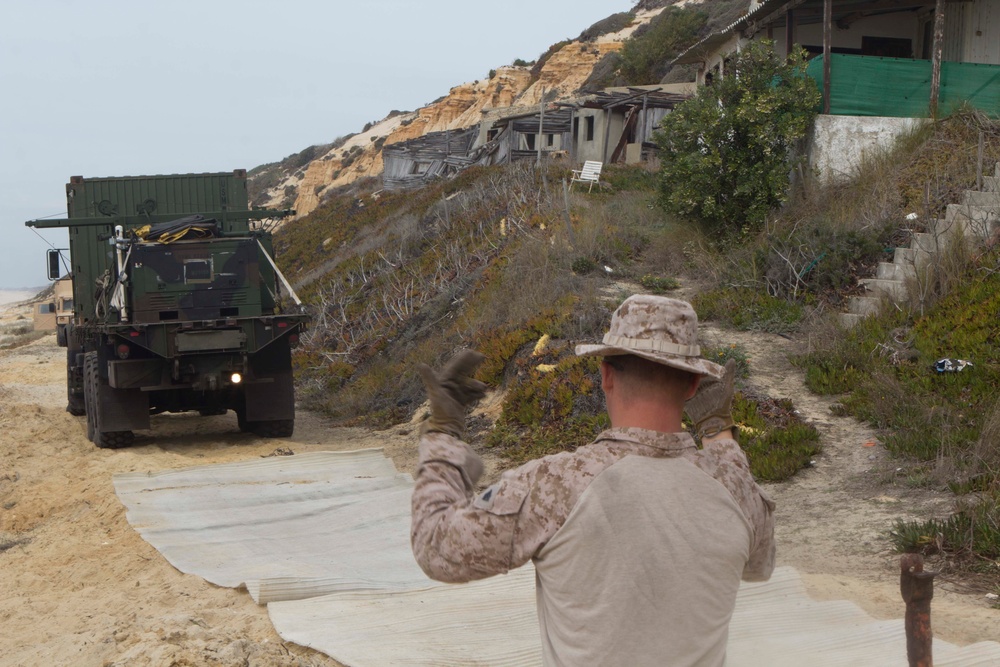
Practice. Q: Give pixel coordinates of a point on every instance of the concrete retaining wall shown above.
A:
(839, 142)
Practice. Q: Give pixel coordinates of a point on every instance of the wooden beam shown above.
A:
(936, 56)
(827, 46)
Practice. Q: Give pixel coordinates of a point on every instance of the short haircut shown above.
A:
(643, 375)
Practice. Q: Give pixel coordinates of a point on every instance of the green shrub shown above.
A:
(658, 284)
(646, 56)
(583, 265)
(748, 309)
(727, 152)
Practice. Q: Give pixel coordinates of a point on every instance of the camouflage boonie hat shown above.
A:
(657, 328)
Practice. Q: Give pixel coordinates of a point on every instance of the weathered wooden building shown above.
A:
(438, 155)
(613, 125)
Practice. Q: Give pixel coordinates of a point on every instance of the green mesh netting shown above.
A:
(874, 86)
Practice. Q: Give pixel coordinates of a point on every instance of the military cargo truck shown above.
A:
(177, 305)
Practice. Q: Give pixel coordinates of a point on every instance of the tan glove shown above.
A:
(711, 409)
(451, 391)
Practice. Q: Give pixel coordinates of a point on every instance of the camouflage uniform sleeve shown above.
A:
(458, 537)
(726, 462)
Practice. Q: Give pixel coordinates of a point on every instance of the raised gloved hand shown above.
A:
(711, 408)
(451, 391)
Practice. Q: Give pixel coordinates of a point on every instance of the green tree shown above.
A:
(727, 152)
(646, 56)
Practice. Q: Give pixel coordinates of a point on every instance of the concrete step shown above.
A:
(977, 219)
(894, 289)
(893, 271)
(976, 198)
(863, 305)
(922, 242)
(991, 183)
(909, 257)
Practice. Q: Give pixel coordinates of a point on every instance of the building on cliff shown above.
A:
(614, 125)
(882, 66)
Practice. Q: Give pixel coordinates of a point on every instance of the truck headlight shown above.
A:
(236, 378)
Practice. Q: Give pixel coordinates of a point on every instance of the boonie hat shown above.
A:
(657, 328)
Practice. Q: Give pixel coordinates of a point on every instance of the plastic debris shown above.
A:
(541, 345)
(912, 216)
(951, 365)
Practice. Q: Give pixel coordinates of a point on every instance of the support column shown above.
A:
(789, 31)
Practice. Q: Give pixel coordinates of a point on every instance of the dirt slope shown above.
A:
(79, 587)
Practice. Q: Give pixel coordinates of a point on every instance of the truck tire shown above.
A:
(89, 370)
(241, 420)
(61, 338)
(92, 389)
(278, 428)
(75, 403)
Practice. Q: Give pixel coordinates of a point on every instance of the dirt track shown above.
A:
(79, 587)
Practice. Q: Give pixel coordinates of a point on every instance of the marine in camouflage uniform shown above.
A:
(639, 539)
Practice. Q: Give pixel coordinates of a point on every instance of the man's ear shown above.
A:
(695, 383)
(607, 376)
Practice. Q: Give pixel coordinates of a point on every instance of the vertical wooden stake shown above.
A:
(917, 588)
(569, 220)
(936, 56)
(827, 46)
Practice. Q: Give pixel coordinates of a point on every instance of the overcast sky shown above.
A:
(127, 87)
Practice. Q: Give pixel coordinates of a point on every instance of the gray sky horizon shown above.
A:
(118, 88)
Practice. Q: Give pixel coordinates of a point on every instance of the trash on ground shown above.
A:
(951, 365)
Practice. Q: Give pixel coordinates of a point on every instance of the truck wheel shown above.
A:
(241, 420)
(89, 404)
(75, 403)
(92, 388)
(278, 428)
(61, 339)
(115, 439)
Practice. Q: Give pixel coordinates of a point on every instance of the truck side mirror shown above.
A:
(55, 269)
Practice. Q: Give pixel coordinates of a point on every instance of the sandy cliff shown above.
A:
(510, 90)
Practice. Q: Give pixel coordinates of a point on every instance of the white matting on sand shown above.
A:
(324, 539)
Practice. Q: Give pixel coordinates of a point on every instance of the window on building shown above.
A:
(550, 139)
(590, 128)
(46, 308)
(530, 140)
(886, 47)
